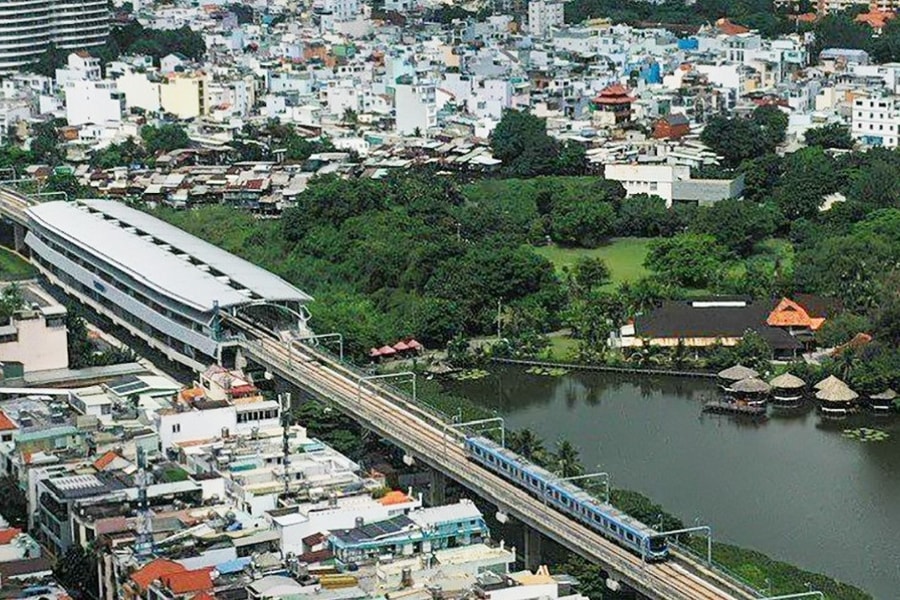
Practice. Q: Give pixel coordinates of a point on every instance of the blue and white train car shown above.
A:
(568, 499)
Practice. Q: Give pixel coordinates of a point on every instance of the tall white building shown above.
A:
(875, 121)
(95, 102)
(28, 27)
(336, 10)
(415, 108)
(544, 15)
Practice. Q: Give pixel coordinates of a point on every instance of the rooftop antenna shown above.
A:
(285, 440)
(144, 543)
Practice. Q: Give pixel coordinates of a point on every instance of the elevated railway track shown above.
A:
(428, 437)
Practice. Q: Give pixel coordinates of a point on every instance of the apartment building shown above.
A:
(875, 121)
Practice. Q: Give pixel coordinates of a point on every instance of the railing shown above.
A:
(400, 397)
(719, 569)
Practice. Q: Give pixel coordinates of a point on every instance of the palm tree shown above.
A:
(527, 444)
(566, 460)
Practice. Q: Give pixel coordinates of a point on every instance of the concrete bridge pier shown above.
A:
(437, 488)
(19, 238)
(531, 554)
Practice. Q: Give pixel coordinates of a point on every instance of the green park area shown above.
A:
(13, 267)
(624, 257)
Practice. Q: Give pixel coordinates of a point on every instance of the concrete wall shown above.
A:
(707, 191)
(37, 346)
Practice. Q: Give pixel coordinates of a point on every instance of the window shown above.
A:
(176, 428)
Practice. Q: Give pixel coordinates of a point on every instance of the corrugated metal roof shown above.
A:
(152, 264)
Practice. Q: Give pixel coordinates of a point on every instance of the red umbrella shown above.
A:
(374, 352)
(386, 351)
(401, 346)
(414, 345)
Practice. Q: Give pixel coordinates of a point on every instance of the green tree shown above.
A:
(576, 222)
(13, 503)
(590, 272)
(593, 316)
(643, 215)
(688, 259)
(76, 570)
(566, 460)
(876, 186)
(520, 140)
(66, 183)
(572, 159)
(840, 30)
(833, 135)
(761, 174)
(10, 301)
(772, 122)
(736, 139)
(165, 138)
(53, 58)
(841, 328)
(753, 351)
(45, 144)
(526, 443)
(736, 224)
(809, 175)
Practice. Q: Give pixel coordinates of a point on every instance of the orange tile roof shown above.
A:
(875, 19)
(729, 28)
(790, 314)
(203, 596)
(189, 581)
(103, 462)
(7, 535)
(394, 497)
(6, 423)
(154, 570)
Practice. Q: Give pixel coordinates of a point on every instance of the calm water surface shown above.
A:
(791, 487)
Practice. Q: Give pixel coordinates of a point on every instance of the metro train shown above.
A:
(568, 499)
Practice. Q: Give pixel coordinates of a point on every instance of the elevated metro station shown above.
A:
(176, 292)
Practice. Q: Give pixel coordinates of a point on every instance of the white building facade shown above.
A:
(543, 16)
(875, 121)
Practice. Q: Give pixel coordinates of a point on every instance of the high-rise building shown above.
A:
(544, 16)
(29, 27)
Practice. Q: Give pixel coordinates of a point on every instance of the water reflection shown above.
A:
(792, 486)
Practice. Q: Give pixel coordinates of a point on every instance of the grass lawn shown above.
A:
(13, 267)
(561, 349)
(624, 257)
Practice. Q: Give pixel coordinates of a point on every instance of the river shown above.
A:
(792, 487)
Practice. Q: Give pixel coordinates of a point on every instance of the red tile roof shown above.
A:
(6, 423)
(614, 94)
(7, 535)
(154, 570)
(189, 581)
(104, 461)
(729, 28)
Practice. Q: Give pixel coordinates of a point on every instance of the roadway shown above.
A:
(425, 436)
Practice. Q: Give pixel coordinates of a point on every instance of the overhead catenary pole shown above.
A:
(704, 528)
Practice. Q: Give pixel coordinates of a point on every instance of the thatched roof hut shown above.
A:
(887, 395)
(751, 385)
(787, 381)
(737, 373)
(830, 380)
(837, 392)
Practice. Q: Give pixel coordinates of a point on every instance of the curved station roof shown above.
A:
(161, 256)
